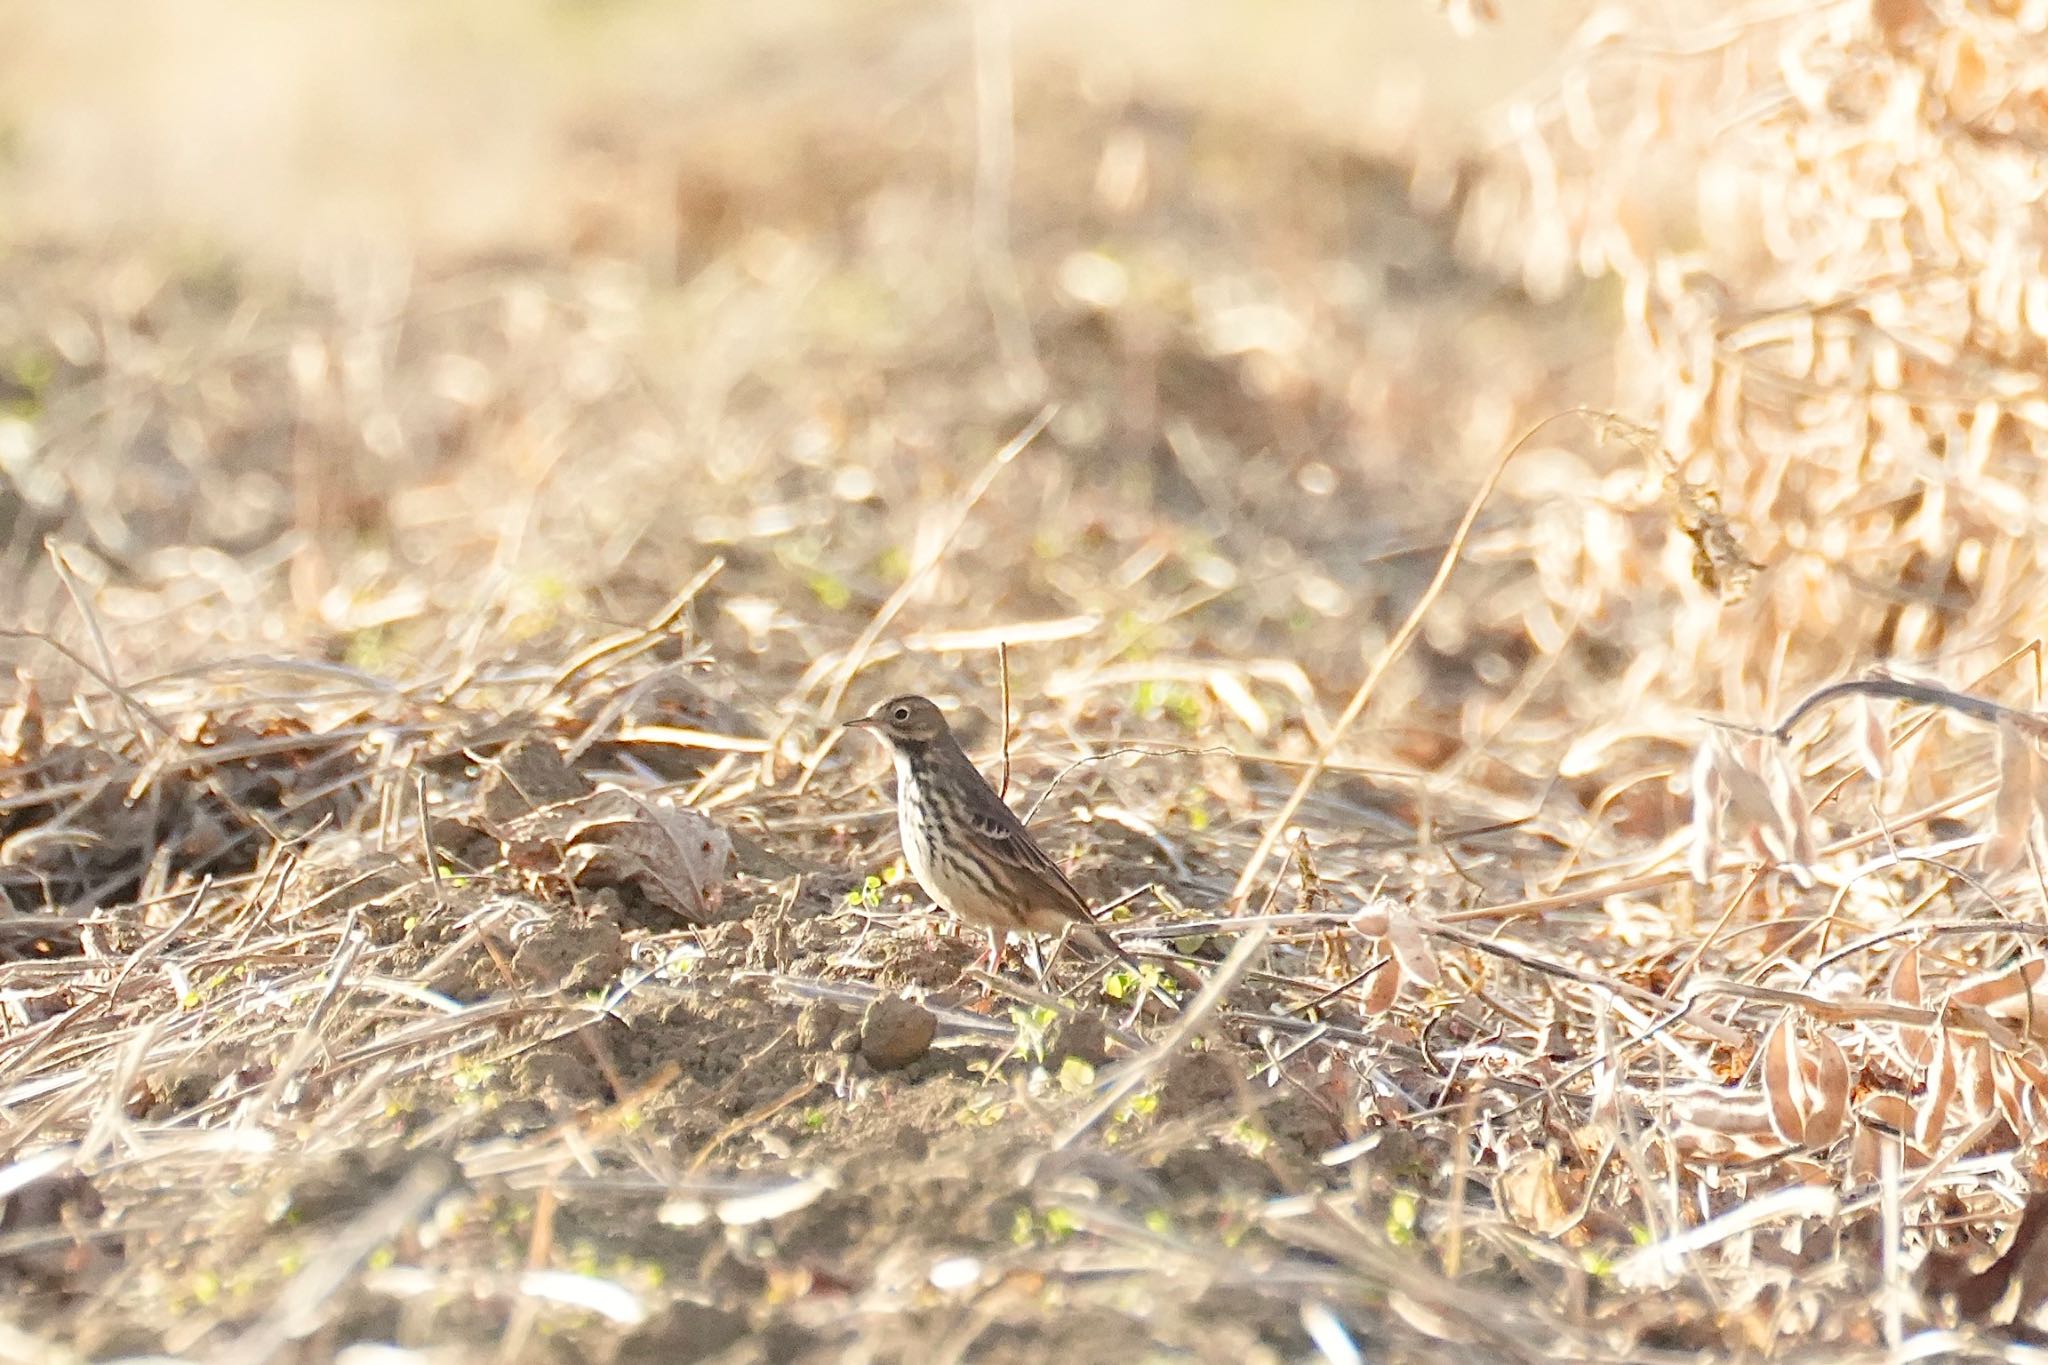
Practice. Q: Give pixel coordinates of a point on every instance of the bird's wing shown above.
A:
(1006, 836)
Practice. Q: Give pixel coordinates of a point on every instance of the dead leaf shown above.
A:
(1230, 689)
(2022, 1086)
(671, 854)
(2018, 992)
(21, 726)
(1530, 1190)
(1793, 818)
(1709, 795)
(1873, 741)
(1410, 949)
(1384, 985)
(1913, 1045)
(1960, 1081)
(2012, 809)
(1714, 1121)
(1806, 1083)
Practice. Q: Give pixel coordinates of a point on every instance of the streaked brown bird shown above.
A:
(968, 850)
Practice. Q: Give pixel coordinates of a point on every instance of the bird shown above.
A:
(965, 847)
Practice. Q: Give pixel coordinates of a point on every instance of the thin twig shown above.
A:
(1003, 664)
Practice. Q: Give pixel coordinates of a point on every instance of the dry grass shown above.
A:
(443, 914)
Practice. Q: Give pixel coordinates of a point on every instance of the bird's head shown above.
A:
(906, 722)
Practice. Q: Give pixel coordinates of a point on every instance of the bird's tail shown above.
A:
(1100, 937)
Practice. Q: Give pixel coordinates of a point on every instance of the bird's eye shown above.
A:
(903, 713)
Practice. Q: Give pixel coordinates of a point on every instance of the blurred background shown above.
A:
(350, 322)
(417, 337)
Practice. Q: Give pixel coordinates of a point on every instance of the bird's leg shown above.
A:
(1039, 962)
(995, 951)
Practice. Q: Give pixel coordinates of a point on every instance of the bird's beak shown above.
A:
(856, 723)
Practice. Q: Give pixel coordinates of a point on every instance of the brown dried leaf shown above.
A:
(1384, 985)
(1371, 921)
(1866, 1153)
(1410, 949)
(1894, 1116)
(21, 728)
(1530, 1190)
(1905, 982)
(1764, 809)
(1931, 1121)
(672, 854)
(1794, 818)
(1873, 741)
(1913, 1045)
(1960, 1088)
(1750, 803)
(2022, 1087)
(2012, 809)
(2018, 992)
(1709, 796)
(1976, 1084)
(1806, 1084)
(1713, 1121)
(1899, 21)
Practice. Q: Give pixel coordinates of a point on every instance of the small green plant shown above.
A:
(1023, 1227)
(832, 594)
(1034, 1024)
(1248, 1135)
(1404, 1212)
(1124, 984)
(1141, 1105)
(473, 1081)
(1055, 1224)
(985, 1110)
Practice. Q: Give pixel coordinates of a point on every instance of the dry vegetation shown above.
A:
(442, 914)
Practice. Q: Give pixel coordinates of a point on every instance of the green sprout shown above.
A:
(1403, 1213)
(1033, 1025)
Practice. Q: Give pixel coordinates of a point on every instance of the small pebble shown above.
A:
(896, 1032)
(816, 1024)
(1077, 1035)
